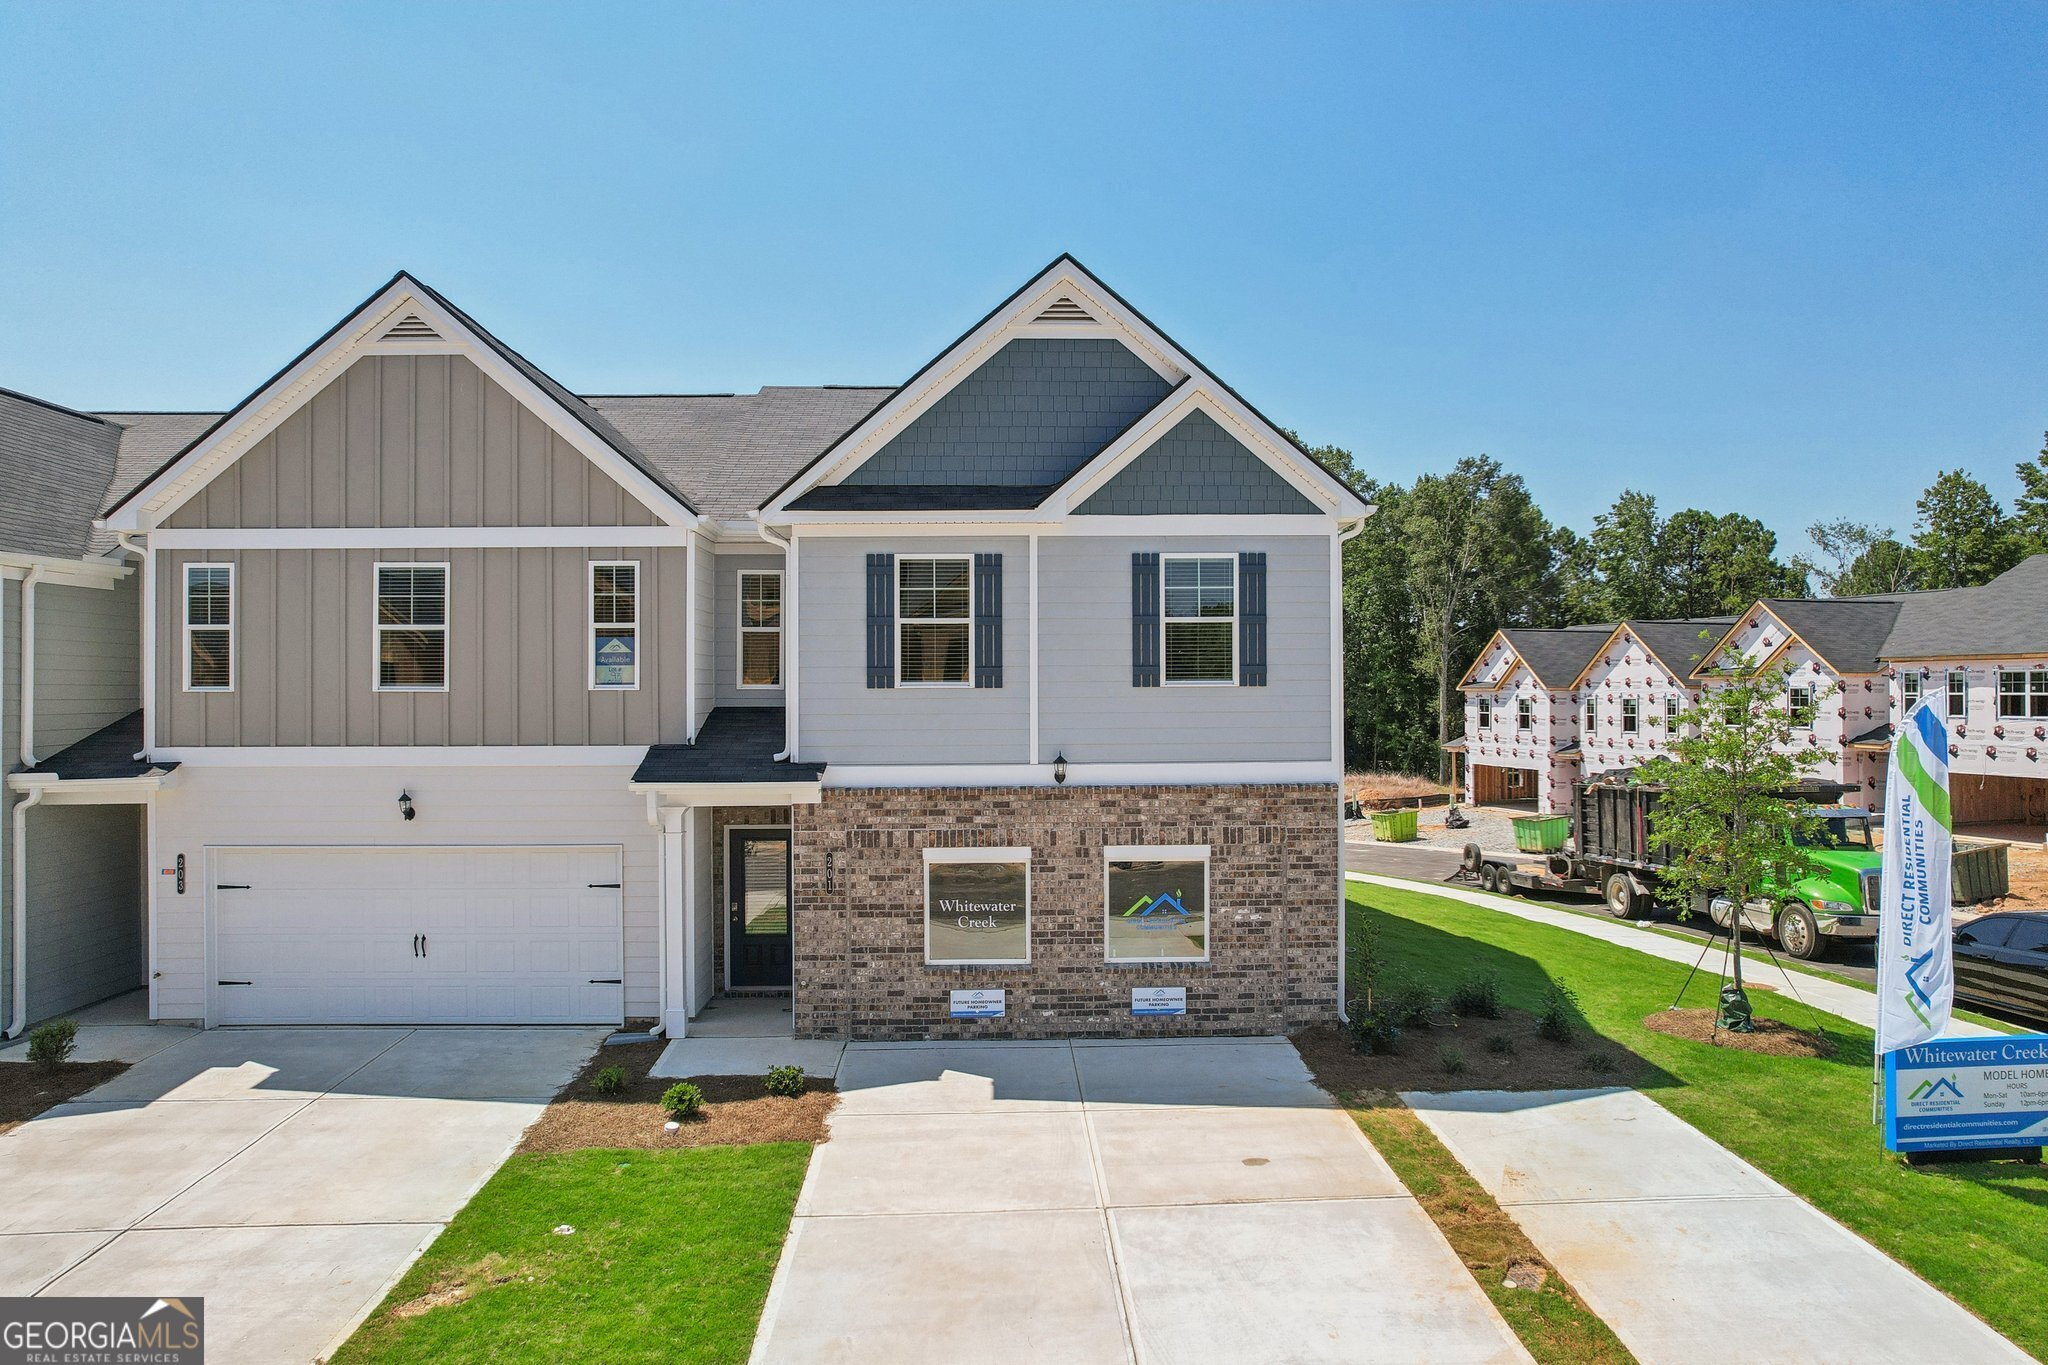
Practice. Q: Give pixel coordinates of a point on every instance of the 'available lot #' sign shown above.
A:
(1954, 1093)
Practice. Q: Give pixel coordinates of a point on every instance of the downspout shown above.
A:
(1337, 663)
(661, 914)
(788, 548)
(28, 665)
(19, 1020)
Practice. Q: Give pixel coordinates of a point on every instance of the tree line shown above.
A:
(1450, 558)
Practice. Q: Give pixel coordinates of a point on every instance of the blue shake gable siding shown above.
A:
(1032, 414)
(1197, 469)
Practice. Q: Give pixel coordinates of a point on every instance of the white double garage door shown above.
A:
(470, 935)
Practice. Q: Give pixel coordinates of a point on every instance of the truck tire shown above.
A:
(1799, 933)
(1489, 878)
(1622, 900)
(1474, 859)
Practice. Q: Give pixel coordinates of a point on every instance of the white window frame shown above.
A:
(1671, 710)
(1589, 713)
(1485, 713)
(902, 620)
(934, 856)
(1525, 715)
(378, 627)
(1958, 698)
(590, 639)
(185, 615)
(2033, 683)
(1113, 853)
(1909, 691)
(739, 663)
(1165, 621)
(1802, 713)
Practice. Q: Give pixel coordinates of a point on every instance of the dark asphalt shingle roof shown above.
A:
(736, 744)
(950, 497)
(1557, 657)
(2008, 615)
(1849, 633)
(1682, 643)
(55, 465)
(105, 754)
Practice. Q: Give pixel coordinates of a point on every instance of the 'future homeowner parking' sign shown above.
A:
(1967, 1092)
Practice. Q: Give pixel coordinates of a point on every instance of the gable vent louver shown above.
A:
(1064, 309)
(411, 328)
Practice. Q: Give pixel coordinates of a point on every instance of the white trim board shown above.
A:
(406, 756)
(1308, 772)
(165, 491)
(421, 538)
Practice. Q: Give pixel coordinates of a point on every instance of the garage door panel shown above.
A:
(333, 935)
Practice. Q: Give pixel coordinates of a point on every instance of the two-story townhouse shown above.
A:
(991, 703)
(1633, 694)
(71, 855)
(1522, 721)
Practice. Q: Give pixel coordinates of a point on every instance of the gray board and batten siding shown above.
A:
(1031, 414)
(1197, 469)
(519, 651)
(412, 440)
(1089, 710)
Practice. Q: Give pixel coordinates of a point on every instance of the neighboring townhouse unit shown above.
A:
(493, 703)
(1545, 709)
(1854, 667)
(72, 927)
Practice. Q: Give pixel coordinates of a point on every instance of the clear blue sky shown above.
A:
(1782, 259)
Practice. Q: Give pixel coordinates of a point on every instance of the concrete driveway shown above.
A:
(287, 1176)
(1109, 1202)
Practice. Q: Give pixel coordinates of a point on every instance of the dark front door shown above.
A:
(757, 907)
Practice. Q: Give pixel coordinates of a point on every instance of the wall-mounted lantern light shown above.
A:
(1059, 769)
(405, 805)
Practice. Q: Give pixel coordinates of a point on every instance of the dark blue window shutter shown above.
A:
(1144, 619)
(988, 620)
(1251, 619)
(881, 620)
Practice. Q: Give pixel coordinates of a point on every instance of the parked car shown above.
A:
(2002, 963)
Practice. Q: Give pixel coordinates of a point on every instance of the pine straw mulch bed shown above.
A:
(1772, 1037)
(1418, 1062)
(27, 1090)
(737, 1110)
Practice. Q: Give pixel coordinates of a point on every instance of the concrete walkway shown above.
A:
(1825, 994)
(1688, 1252)
(287, 1176)
(744, 1035)
(1156, 1201)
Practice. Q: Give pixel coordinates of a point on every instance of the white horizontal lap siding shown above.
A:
(1088, 708)
(294, 807)
(845, 721)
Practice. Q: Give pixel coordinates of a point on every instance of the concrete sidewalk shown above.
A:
(1661, 1229)
(1110, 1201)
(1826, 994)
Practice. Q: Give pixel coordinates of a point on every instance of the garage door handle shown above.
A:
(232, 886)
(415, 945)
(607, 981)
(234, 983)
(604, 886)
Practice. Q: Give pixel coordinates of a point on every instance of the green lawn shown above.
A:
(1979, 1232)
(670, 1261)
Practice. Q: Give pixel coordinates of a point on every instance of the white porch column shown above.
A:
(678, 892)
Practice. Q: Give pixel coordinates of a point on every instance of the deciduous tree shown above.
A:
(1962, 537)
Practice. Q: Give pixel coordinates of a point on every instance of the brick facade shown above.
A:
(859, 942)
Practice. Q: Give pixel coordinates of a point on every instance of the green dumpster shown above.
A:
(1542, 833)
(1393, 826)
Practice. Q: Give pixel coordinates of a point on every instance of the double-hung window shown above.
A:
(1592, 712)
(412, 627)
(1909, 691)
(1631, 715)
(1799, 702)
(1485, 713)
(209, 627)
(761, 628)
(2022, 693)
(1525, 714)
(1671, 711)
(1958, 694)
(615, 626)
(934, 621)
(1200, 618)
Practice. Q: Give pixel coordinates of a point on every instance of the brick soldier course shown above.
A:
(859, 944)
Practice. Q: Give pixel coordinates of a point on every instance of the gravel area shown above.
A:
(1492, 829)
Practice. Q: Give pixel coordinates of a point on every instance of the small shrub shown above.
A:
(1375, 1032)
(1414, 1003)
(609, 1081)
(1477, 997)
(681, 1100)
(786, 1081)
(51, 1045)
(1598, 1062)
(1499, 1044)
(1559, 1019)
(1451, 1060)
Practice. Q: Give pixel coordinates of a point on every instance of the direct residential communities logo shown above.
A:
(1936, 1091)
(102, 1331)
(1165, 904)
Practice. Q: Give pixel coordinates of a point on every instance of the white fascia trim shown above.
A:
(964, 356)
(104, 791)
(408, 756)
(71, 573)
(421, 538)
(1081, 774)
(816, 524)
(1256, 436)
(686, 794)
(166, 492)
